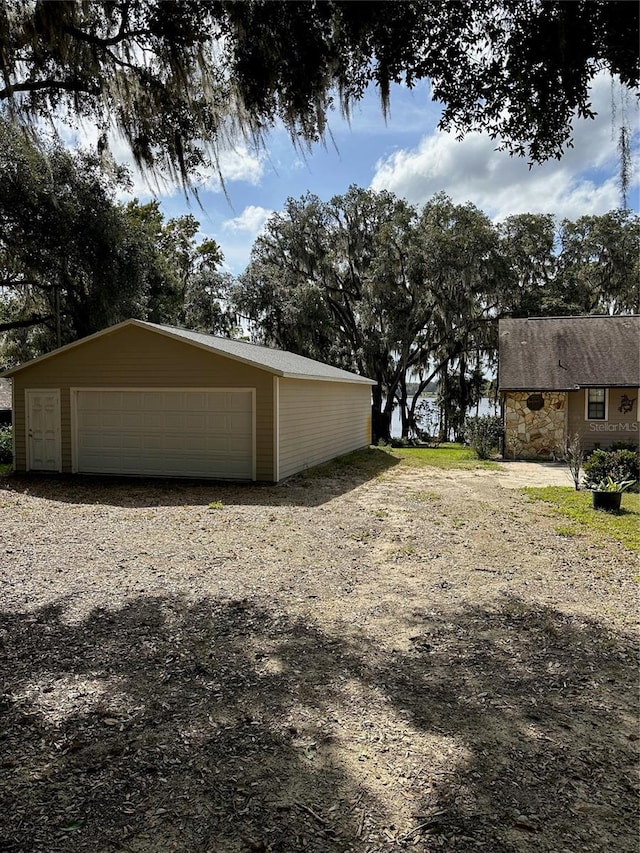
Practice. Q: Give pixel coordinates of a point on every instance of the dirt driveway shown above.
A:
(518, 475)
(416, 661)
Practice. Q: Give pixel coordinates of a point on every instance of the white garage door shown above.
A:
(194, 433)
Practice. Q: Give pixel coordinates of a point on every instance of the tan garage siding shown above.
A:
(135, 357)
(321, 420)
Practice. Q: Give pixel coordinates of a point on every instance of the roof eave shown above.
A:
(502, 388)
(576, 387)
(357, 380)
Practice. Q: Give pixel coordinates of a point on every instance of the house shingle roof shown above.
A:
(563, 353)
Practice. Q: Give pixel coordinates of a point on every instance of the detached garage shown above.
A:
(157, 401)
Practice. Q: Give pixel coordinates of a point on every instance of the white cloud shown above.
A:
(584, 181)
(239, 163)
(252, 220)
(241, 231)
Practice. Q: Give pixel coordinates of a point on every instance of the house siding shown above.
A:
(321, 420)
(620, 425)
(134, 357)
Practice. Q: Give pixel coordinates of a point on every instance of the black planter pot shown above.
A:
(607, 501)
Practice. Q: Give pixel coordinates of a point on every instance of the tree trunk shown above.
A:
(380, 421)
(444, 405)
(404, 409)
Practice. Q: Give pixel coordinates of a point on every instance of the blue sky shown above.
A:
(410, 157)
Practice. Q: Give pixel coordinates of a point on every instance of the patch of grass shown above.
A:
(5, 468)
(448, 455)
(428, 497)
(362, 535)
(374, 461)
(216, 505)
(623, 527)
(567, 530)
(370, 461)
(409, 549)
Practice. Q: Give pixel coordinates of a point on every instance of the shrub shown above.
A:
(624, 445)
(6, 444)
(483, 434)
(620, 465)
(573, 454)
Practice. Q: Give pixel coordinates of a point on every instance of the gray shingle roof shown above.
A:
(563, 353)
(5, 394)
(278, 362)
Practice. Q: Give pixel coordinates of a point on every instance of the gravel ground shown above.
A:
(418, 660)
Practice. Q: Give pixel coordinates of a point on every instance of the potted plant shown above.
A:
(607, 494)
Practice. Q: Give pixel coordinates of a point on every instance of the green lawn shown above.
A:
(447, 455)
(623, 526)
(372, 461)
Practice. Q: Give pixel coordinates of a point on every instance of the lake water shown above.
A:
(486, 408)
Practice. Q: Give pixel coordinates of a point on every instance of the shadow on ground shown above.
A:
(228, 726)
(311, 488)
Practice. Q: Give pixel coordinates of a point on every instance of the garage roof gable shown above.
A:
(278, 362)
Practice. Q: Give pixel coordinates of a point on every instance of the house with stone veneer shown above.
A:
(561, 376)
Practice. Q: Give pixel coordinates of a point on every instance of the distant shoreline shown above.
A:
(486, 407)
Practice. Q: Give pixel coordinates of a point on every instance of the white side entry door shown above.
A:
(44, 452)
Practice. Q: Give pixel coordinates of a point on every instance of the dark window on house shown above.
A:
(535, 402)
(596, 404)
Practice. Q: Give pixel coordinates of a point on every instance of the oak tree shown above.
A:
(180, 81)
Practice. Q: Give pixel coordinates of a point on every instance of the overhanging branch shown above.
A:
(34, 320)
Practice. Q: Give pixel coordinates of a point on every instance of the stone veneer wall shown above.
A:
(534, 435)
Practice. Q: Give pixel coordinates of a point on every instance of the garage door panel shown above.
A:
(149, 400)
(169, 433)
(175, 443)
(110, 420)
(235, 445)
(218, 422)
(89, 419)
(195, 421)
(124, 420)
(195, 402)
(152, 442)
(241, 422)
(115, 441)
(106, 400)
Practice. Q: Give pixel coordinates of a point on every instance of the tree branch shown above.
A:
(34, 320)
(37, 85)
(122, 35)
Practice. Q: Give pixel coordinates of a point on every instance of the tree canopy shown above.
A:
(74, 260)
(369, 283)
(182, 80)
